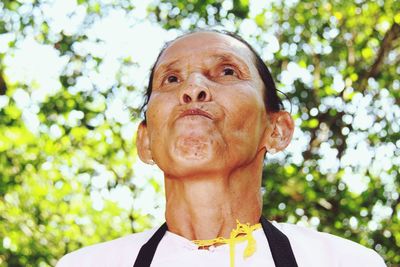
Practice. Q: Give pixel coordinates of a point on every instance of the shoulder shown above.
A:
(310, 245)
(117, 252)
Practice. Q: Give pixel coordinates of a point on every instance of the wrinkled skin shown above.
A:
(231, 92)
(208, 130)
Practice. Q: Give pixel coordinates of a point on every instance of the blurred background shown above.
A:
(72, 75)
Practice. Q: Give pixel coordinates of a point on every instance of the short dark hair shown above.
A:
(271, 99)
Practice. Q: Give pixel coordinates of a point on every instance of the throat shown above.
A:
(207, 209)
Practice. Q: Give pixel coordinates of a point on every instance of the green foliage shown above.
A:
(337, 61)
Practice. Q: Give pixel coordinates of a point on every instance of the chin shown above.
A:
(194, 154)
(194, 163)
(193, 158)
(193, 148)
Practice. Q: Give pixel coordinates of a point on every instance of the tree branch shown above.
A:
(3, 86)
(387, 44)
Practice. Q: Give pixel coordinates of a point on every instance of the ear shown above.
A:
(143, 144)
(280, 131)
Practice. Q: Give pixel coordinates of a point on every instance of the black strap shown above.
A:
(147, 251)
(278, 242)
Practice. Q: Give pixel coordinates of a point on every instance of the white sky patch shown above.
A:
(293, 72)
(97, 200)
(113, 29)
(31, 121)
(384, 158)
(109, 69)
(5, 39)
(100, 180)
(248, 28)
(7, 242)
(353, 222)
(74, 117)
(83, 84)
(272, 42)
(140, 42)
(373, 225)
(64, 15)
(134, 99)
(29, 110)
(4, 100)
(360, 155)
(329, 161)
(140, 10)
(144, 201)
(36, 65)
(381, 212)
(356, 182)
(124, 37)
(256, 6)
(148, 200)
(297, 146)
(128, 130)
(227, 4)
(21, 98)
(103, 79)
(333, 102)
(338, 83)
(143, 172)
(272, 46)
(152, 38)
(117, 111)
(362, 119)
(55, 131)
(122, 195)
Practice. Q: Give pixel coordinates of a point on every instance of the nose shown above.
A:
(196, 90)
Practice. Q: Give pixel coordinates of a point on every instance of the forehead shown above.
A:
(204, 45)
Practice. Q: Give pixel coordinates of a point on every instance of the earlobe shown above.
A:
(143, 144)
(282, 126)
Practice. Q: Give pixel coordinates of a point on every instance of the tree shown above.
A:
(69, 171)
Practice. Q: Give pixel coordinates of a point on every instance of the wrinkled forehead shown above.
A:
(205, 44)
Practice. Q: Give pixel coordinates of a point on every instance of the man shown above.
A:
(212, 115)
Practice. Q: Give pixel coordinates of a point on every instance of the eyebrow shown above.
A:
(221, 57)
(166, 66)
(229, 57)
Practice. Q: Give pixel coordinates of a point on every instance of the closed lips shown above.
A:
(192, 112)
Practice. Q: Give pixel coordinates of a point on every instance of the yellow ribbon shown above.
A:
(241, 233)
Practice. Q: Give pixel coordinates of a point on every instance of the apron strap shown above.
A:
(147, 251)
(278, 242)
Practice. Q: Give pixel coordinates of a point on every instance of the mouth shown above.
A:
(195, 112)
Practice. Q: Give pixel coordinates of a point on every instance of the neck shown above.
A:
(208, 207)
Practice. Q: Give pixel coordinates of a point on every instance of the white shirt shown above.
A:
(311, 249)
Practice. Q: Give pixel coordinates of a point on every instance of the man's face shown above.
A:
(206, 111)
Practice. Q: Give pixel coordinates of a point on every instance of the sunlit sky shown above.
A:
(121, 35)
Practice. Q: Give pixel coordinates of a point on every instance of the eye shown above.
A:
(169, 79)
(228, 71)
(172, 79)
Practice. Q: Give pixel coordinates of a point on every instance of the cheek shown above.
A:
(245, 123)
(160, 105)
(159, 108)
(245, 111)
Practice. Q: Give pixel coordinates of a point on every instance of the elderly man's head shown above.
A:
(271, 98)
(212, 106)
